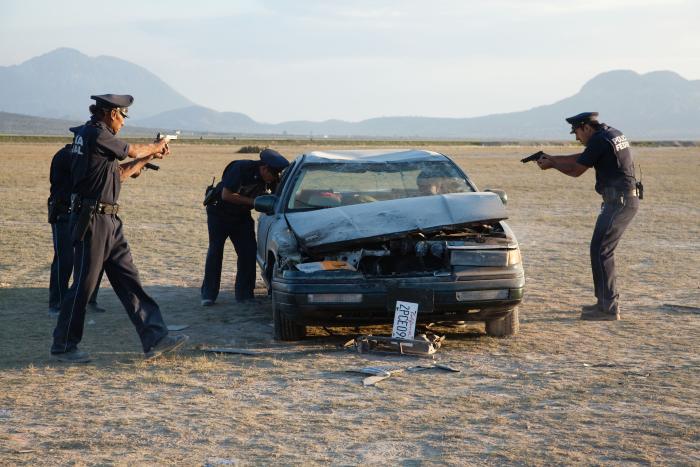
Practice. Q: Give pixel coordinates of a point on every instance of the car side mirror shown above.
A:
(501, 194)
(265, 204)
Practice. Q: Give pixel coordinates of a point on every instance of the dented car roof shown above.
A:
(381, 220)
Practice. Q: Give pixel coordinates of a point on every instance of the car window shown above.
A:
(332, 185)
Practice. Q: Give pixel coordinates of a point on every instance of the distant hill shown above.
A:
(653, 106)
(16, 124)
(59, 84)
(202, 119)
(660, 105)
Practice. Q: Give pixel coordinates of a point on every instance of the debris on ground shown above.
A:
(231, 350)
(423, 345)
(692, 309)
(377, 373)
(380, 373)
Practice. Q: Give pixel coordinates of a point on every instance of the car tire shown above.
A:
(285, 328)
(502, 327)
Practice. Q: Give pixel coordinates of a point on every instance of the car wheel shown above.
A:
(285, 328)
(506, 326)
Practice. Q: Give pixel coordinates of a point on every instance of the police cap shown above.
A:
(579, 120)
(114, 101)
(273, 160)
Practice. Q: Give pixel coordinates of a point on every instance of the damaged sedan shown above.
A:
(346, 230)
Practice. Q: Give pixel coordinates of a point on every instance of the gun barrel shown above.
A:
(160, 136)
(152, 166)
(533, 157)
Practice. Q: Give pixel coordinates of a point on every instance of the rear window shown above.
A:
(332, 185)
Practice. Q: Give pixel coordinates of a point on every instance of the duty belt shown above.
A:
(105, 208)
(614, 195)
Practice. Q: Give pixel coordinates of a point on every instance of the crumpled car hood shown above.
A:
(329, 228)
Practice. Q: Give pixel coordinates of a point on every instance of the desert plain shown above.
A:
(561, 392)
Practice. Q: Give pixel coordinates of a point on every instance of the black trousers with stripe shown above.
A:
(105, 247)
(241, 231)
(611, 224)
(62, 264)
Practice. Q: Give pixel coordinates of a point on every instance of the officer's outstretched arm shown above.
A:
(159, 148)
(567, 165)
(133, 169)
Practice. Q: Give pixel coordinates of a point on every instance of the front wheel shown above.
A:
(507, 326)
(285, 328)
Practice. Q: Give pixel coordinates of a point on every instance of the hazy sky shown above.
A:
(280, 60)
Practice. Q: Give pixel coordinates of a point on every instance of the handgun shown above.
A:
(533, 157)
(167, 138)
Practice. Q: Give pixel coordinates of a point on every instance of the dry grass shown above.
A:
(562, 392)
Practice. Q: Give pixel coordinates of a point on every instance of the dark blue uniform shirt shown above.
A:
(96, 154)
(608, 151)
(242, 177)
(59, 175)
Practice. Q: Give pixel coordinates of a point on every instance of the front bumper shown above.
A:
(455, 296)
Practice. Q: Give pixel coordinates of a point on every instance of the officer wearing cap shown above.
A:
(607, 150)
(98, 238)
(229, 217)
(59, 216)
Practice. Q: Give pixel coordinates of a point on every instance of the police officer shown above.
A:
(59, 215)
(228, 216)
(607, 150)
(97, 231)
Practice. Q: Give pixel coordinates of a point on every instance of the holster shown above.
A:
(211, 195)
(53, 214)
(56, 208)
(87, 210)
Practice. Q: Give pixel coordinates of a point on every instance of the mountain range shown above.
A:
(652, 106)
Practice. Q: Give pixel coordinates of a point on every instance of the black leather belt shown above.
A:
(104, 208)
(612, 195)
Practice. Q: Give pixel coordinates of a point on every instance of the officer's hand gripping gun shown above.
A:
(167, 139)
(534, 157)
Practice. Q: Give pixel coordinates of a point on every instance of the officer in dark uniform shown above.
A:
(98, 238)
(59, 216)
(228, 216)
(608, 152)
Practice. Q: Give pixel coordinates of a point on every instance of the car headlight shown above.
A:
(485, 258)
(514, 257)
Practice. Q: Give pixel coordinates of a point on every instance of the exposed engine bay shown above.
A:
(418, 253)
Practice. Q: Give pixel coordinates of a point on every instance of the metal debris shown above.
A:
(231, 350)
(379, 373)
(692, 309)
(424, 345)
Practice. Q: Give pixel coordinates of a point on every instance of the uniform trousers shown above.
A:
(105, 247)
(611, 224)
(62, 264)
(240, 229)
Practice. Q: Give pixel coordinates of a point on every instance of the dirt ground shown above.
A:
(561, 392)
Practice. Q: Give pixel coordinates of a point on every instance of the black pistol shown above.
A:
(534, 157)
